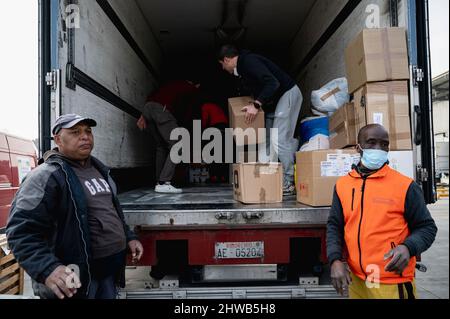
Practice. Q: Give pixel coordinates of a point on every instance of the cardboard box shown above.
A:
(237, 120)
(247, 157)
(317, 174)
(258, 183)
(343, 128)
(386, 103)
(403, 162)
(377, 55)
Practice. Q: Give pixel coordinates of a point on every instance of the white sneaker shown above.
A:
(167, 189)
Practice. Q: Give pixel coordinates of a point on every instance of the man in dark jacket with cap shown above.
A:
(66, 227)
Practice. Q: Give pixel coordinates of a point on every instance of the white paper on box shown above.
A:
(327, 169)
(402, 161)
(338, 164)
(356, 158)
(378, 118)
(269, 169)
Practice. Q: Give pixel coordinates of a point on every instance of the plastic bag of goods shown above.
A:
(317, 113)
(331, 97)
(315, 134)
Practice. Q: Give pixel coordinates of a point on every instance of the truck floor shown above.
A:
(198, 197)
(212, 206)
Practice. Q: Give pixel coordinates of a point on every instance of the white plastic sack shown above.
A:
(331, 97)
(317, 113)
(317, 142)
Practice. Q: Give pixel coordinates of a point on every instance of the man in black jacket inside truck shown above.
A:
(275, 92)
(66, 227)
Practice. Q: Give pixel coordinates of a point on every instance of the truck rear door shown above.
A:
(422, 112)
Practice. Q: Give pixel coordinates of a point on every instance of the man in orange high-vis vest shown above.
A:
(379, 217)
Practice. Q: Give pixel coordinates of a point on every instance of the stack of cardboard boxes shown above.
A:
(377, 74)
(253, 182)
(377, 71)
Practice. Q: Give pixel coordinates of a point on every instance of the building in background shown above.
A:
(441, 123)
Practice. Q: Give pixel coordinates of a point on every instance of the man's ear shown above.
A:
(57, 139)
(358, 148)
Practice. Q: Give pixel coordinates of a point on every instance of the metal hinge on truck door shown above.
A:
(422, 174)
(50, 79)
(53, 80)
(418, 75)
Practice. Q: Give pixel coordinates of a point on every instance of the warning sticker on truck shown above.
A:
(24, 167)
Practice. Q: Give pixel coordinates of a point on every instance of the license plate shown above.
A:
(240, 250)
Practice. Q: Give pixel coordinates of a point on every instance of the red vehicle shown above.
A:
(17, 159)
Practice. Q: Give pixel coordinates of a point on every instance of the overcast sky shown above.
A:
(19, 61)
(19, 67)
(439, 34)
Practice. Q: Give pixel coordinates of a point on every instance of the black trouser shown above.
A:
(161, 123)
(220, 170)
(105, 272)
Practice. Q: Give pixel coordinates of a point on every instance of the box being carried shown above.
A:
(318, 171)
(377, 55)
(343, 127)
(386, 103)
(237, 120)
(258, 183)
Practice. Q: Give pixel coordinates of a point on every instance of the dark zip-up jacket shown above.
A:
(48, 224)
(377, 206)
(264, 79)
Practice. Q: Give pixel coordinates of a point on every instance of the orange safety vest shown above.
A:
(373, 210)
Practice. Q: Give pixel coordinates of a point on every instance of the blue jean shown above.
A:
(103, 288)
(284, 146)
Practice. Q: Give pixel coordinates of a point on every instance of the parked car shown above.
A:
(17, 158)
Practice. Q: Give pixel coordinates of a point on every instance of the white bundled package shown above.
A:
(330, 97)
(317, 142)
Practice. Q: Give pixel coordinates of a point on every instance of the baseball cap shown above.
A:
(70, 120)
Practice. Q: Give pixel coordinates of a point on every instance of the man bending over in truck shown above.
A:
(66, 227)
(380, 216)
(276, 93)
(159, 116)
